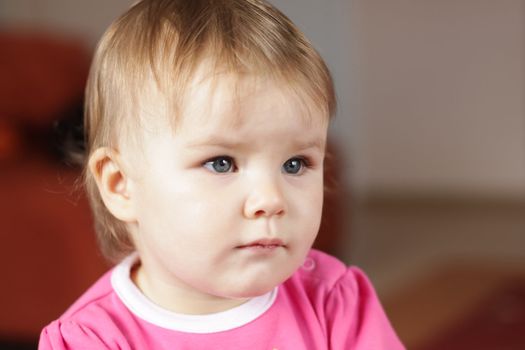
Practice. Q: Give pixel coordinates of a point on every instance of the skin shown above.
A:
(236, 170)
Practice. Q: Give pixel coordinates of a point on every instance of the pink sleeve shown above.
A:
(69, 335)
(355, 317)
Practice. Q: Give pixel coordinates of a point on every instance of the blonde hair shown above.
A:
(166, 41)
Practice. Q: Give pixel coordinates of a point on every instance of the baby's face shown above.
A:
(229, 204)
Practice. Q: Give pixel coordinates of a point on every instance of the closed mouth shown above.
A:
(263, 244)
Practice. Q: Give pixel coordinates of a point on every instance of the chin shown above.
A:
(257, 289)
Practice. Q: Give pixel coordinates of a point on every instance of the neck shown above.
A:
(177, 299)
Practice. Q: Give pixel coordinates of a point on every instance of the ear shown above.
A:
(112, 182)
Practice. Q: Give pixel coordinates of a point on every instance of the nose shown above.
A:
(265, 200)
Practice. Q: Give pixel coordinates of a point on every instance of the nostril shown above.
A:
(262, 212)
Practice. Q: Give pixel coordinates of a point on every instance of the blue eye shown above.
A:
(294, 165)
(222, 164)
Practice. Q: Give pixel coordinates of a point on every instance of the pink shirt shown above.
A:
(324, 305)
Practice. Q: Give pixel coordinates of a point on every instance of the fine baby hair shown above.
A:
(161, 45)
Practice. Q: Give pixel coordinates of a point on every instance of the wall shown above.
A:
(441, 96)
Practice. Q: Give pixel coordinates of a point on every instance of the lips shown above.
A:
(264, 244)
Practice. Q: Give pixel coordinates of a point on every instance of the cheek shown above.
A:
(309, 195)
(308, 206)
(185, 206)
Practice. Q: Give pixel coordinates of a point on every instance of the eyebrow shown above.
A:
(216, 141)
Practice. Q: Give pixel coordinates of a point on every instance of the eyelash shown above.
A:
(305, 164)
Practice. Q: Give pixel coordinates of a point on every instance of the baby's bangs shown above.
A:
(239, 37)
(174, 78)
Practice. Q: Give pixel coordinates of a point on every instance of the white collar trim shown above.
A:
(145, 309)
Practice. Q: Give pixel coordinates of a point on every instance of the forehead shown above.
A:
(232, 101)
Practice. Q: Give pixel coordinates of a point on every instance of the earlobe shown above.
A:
(113, 183)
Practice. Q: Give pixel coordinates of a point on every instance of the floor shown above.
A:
(434, 261)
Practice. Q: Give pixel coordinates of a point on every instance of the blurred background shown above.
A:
(429, 145)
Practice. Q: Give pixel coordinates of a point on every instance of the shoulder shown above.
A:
(89, 322)
(344, 303)
(68, 334)
(96, 294)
